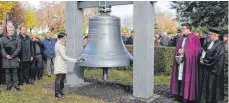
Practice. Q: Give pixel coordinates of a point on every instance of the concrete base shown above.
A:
(79, 85)
(75, 75)
(147, 100)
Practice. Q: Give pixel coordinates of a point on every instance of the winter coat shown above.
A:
(26, 48)
(10, 46)
(60, 60)
(1, 35)
(49, 47)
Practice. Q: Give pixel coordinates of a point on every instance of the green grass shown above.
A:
(39, 94)
(121, 76)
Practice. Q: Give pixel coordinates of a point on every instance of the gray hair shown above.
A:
(164, 33)
(10, 26)
(47, 33)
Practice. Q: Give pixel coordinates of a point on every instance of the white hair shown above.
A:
(10, 26)
(47, 33)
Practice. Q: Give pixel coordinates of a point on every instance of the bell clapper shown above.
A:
(105, 73)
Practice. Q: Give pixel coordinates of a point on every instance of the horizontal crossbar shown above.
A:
(92, 4)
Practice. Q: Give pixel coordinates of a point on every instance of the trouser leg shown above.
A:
(48, 66)
(26, 67)
(63, 77)
(57, 83)
(178, 97)
(21, 74)
(39, 66)
(8, 77)
(33, 70)
(2, 76)
(15, 77)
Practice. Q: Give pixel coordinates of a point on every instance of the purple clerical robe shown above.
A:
(190, 83)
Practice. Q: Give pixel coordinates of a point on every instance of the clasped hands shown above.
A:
(201, 60)
(181, 51)
(8, 57)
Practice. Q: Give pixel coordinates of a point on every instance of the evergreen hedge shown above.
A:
(163, 57)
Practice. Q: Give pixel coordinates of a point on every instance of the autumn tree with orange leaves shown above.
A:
(165, 24)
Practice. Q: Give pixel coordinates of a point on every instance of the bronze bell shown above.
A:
(105, 47)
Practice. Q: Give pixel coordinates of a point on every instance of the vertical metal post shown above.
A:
(74, 29)
(143, 67)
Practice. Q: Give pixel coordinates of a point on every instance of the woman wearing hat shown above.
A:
(60, 64)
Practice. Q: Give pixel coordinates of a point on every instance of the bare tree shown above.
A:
(127, 22)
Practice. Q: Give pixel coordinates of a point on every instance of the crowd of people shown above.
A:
(198, 69)
(170, 40)
(197, 72)
(22, 57)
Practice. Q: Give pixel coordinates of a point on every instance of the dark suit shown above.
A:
(2, 71)
(10, 46)
(25, 59)
(37, 64)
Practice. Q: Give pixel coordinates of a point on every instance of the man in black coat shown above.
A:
(2, 72)
(212, 60)
(26, 57)
(37, 64)
(10, 49)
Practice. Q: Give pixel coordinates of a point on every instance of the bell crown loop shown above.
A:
(105, 9)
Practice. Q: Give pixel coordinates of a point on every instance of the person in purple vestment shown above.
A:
(184, 84)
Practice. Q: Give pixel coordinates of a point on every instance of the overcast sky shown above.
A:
(127, 10)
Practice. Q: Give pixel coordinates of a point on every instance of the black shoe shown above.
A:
(27, 82)
(32, 81)
(17, 88)
(21, 84)
(49, 76)
(9, 88)
(62, 93)
(39, 78)
(171, 96)
(59, 96)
